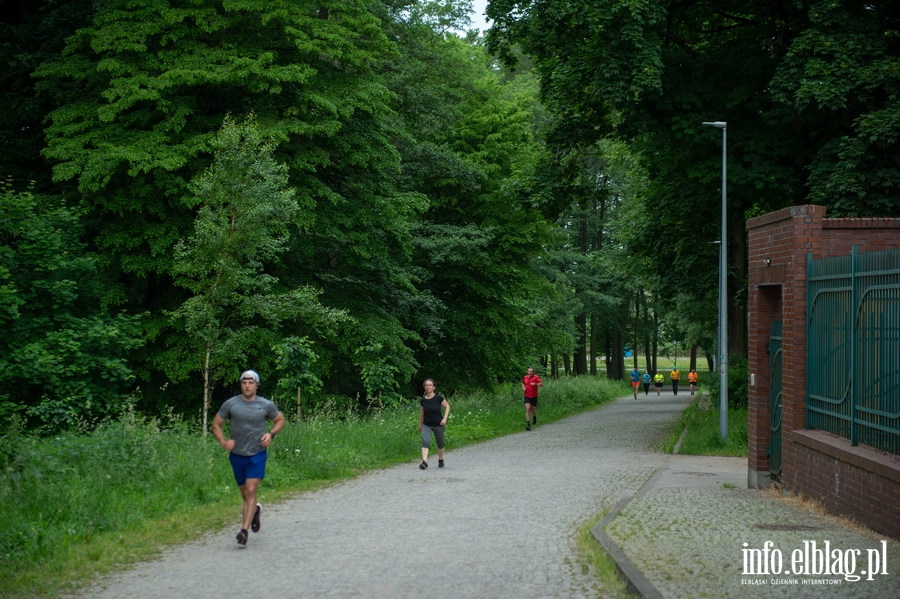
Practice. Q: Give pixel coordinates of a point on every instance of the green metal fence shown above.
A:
(775, 399)
(853, 347)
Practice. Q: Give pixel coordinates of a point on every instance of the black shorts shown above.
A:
(659, 385)
(531, 400)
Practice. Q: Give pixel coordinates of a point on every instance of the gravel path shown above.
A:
(497, 522)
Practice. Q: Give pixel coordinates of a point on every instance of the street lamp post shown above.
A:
(723, 298)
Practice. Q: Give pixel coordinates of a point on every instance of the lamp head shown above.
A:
(717, 124)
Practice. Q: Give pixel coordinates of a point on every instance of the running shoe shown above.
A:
(254, 526)
(440, 463)
(527, 426)
(534, 417)
(242, 537)
(423, 465)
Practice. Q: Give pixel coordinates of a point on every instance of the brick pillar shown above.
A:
(778, 244)
(807, 238)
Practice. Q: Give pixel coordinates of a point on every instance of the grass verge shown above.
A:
(703, 432)
(595, 559)
(80, 506)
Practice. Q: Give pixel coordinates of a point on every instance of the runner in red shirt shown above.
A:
(530, 384)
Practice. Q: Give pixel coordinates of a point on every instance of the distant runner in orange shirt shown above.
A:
(692, 379)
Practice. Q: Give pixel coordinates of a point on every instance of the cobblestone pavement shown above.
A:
(497, 522)
(684, 533)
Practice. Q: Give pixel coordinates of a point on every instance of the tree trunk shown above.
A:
(580, 365)
(567, 363)
(647, 335)
(693, 365)
(620, 372)
(648, 357)
(637, 321)
(606, 359)
(616, 357)
(593, 344)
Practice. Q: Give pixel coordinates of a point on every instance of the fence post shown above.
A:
(809, 333)
(854, 260)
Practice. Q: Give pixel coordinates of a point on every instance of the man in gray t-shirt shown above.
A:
(248, 414)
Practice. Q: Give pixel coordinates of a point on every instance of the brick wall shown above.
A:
(855, 481)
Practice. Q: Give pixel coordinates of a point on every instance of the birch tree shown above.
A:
(246, 212)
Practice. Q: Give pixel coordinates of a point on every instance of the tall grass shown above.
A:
(75, 505)
(703, 435)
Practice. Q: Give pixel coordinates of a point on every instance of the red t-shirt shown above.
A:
(531, 391)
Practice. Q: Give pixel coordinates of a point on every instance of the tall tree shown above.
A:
(143, 90)
(808, 90)
(141, 93)
(245, 218)
(411, 157)
(469, 148)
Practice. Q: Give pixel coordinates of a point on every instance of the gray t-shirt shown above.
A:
(248, 422)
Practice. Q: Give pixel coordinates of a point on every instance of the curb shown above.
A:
(680, 440)
(636, 582)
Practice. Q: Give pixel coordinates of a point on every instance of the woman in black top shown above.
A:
(431, 421)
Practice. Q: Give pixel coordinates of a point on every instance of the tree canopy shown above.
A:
(808, 90)
(350, 197)
(372, 219)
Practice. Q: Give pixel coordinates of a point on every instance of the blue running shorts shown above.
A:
(245, 467)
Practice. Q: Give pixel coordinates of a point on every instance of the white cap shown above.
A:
(252, 374)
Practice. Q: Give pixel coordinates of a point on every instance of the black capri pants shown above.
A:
(438, 436)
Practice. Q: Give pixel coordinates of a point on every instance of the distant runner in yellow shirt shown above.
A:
(675, 375)
(658, 379)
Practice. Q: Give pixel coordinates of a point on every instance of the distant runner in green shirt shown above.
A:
(658, 380)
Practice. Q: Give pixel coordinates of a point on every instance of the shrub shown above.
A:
(737, 384)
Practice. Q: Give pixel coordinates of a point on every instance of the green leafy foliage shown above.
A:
(382, 209)
(737, 384)
(470, 148)
(246, 211)
(66, 359)
(142, 91)
(845, 67)
(295, 360)
(807, 89)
